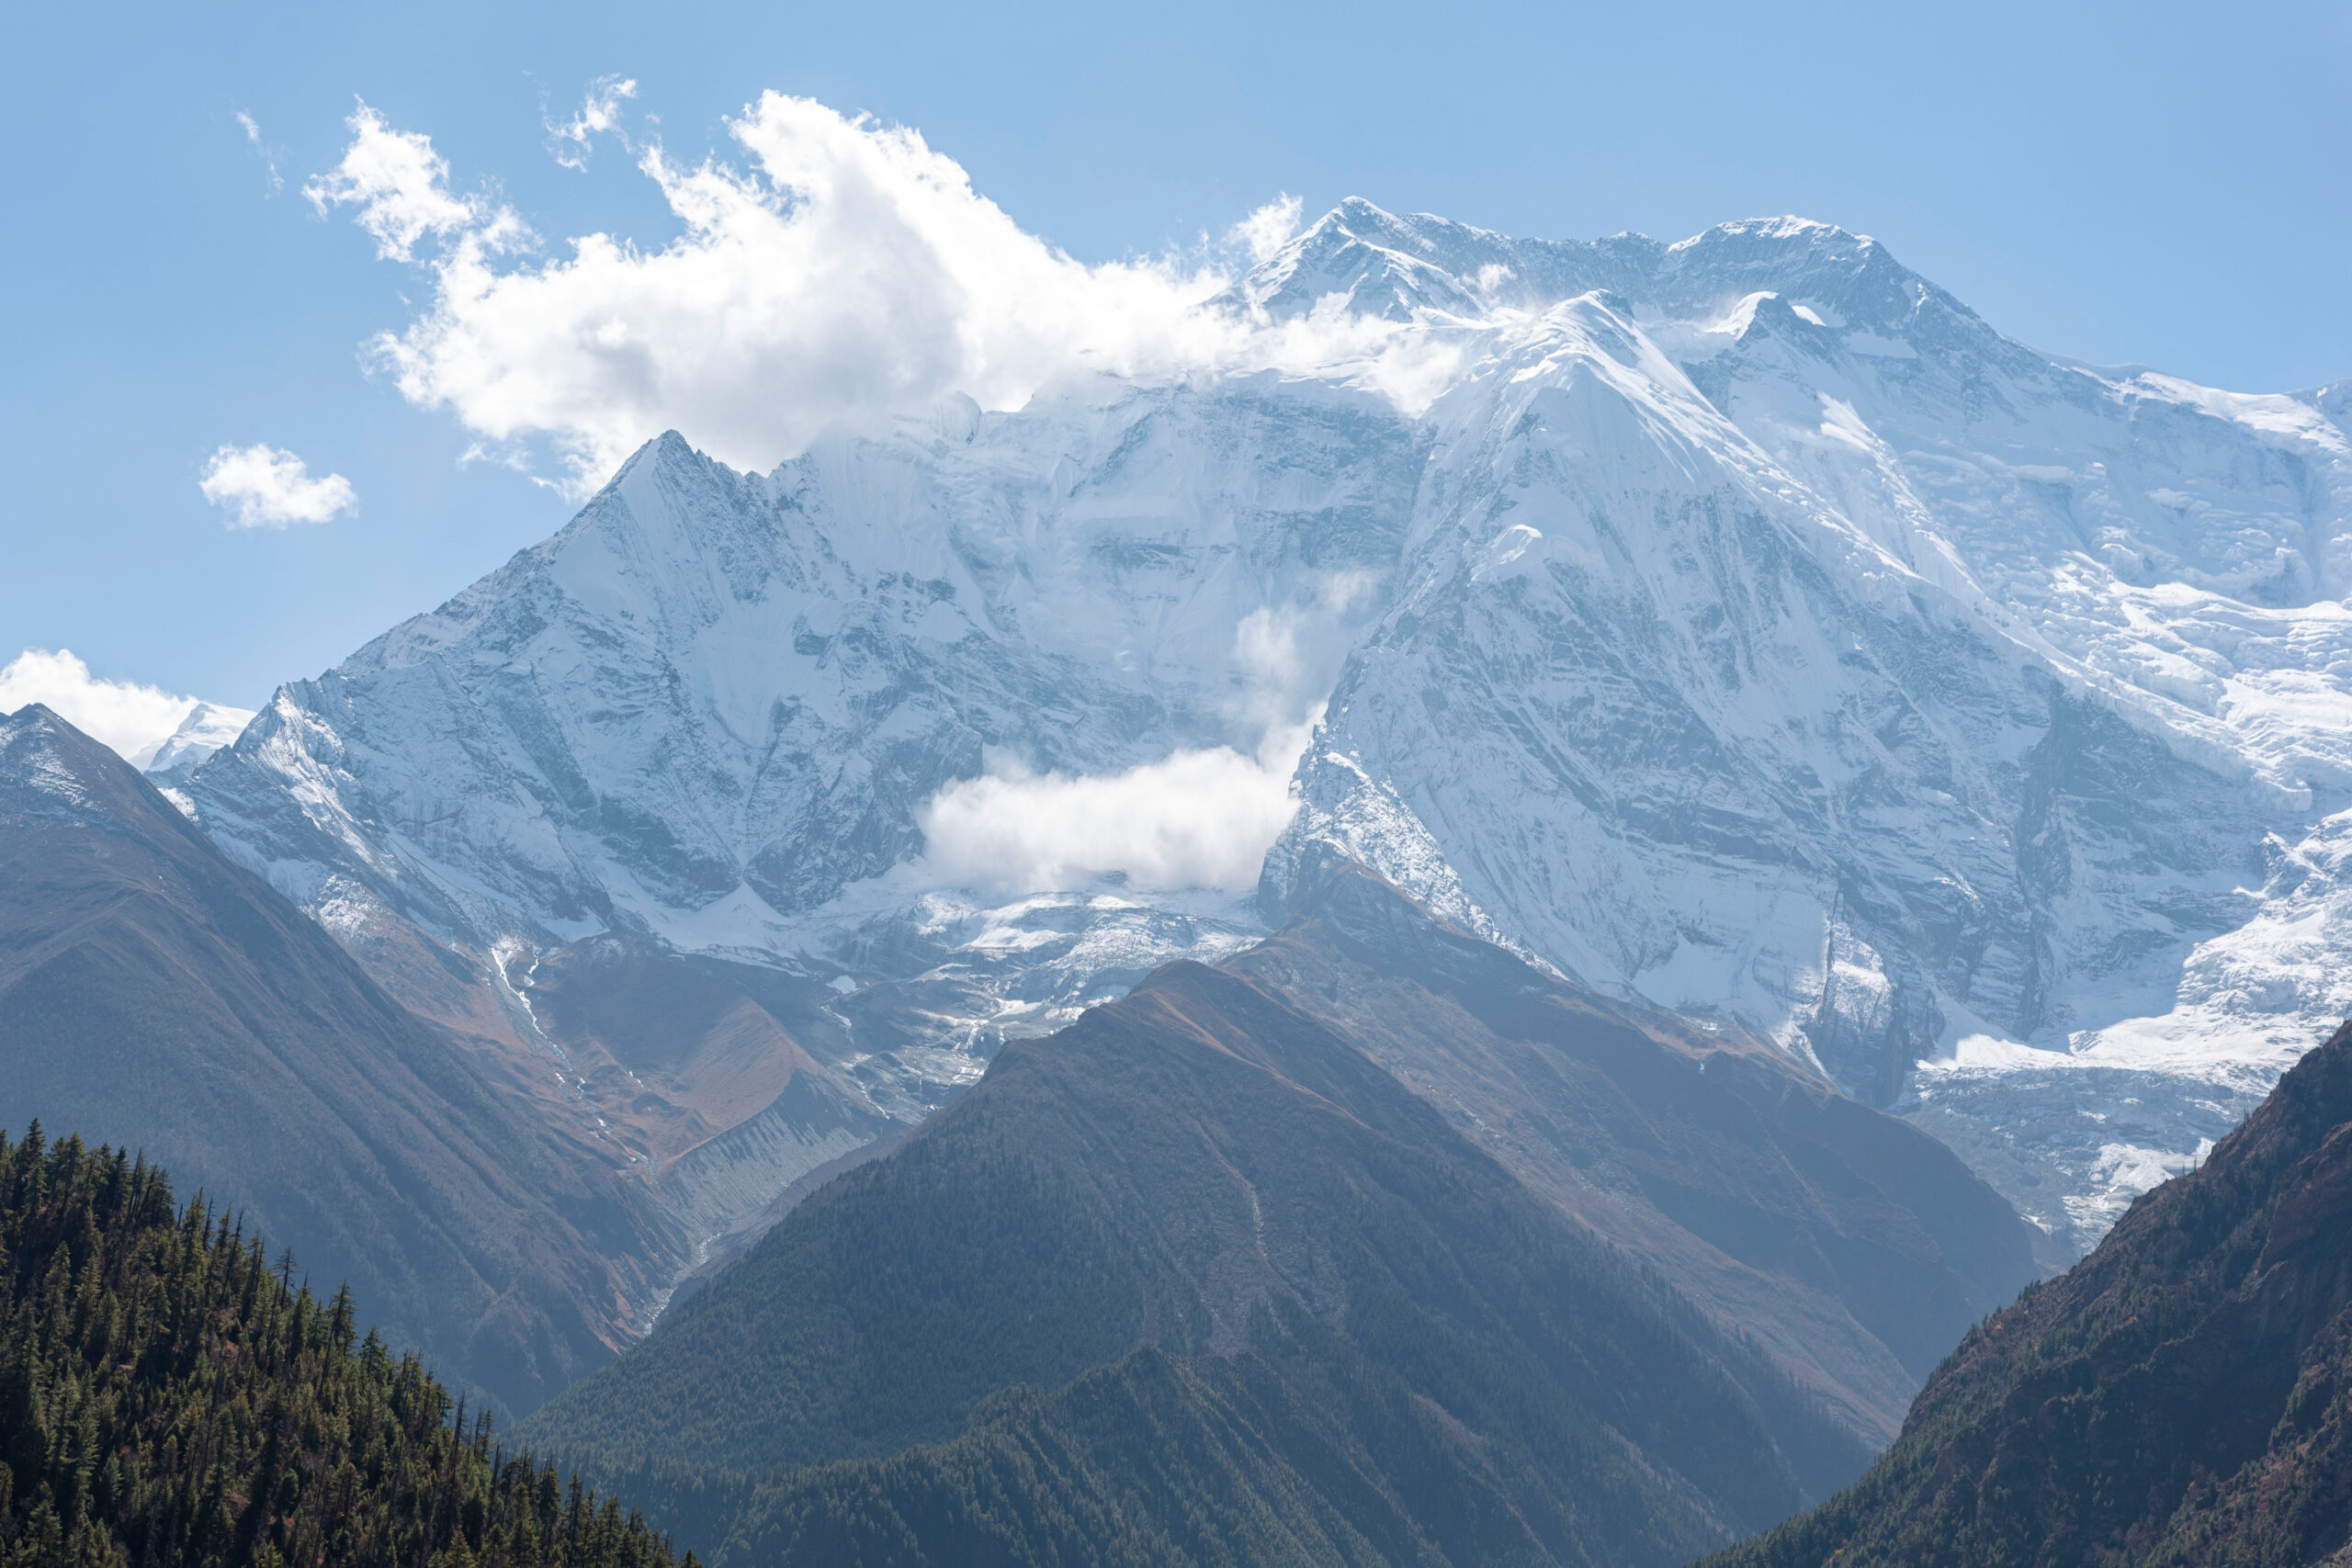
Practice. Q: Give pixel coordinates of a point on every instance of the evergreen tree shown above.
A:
(168, 1398)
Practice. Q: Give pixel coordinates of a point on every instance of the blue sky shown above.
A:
(2156, 184)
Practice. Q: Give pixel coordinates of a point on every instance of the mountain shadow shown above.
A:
(1855, 1249)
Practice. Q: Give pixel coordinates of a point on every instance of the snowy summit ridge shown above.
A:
(1742, 624)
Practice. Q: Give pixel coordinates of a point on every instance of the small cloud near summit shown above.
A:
(1269, 229)
(266, 487)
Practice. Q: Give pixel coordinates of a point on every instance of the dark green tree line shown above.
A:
(169, 1397)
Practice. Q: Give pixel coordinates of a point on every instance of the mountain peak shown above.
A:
(1357, 209)
(154, 994)
(1406, 266)
(1601, 596)
(1789, 226)
(50, 769)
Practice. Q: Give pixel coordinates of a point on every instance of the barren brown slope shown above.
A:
(696, 1070)
(156, 997)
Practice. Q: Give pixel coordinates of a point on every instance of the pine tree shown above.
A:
(167, 1398)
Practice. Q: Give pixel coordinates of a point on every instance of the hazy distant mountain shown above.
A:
(1739, 626)
(1297, 1307)
(2182, 1395)
(205, 730)
(1854, 1248)
(156, 997)
(1296, 1258)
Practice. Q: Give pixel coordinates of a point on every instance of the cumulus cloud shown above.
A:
(268, 486)
(846, 272)
(400, 188)
(132, 719)
(1199, 819)
(600, 112)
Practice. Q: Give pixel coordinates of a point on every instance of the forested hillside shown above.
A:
(171, 1395)
(2182, 1396)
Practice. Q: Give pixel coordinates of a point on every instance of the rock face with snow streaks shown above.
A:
(1774, 637)
(719, 690)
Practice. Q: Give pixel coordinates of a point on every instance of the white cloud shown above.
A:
(268, 153)
(1270, 227)
(134, 720)
(1202, 819)
(268, 486)
(599, 112)
(401, 187)
(1198, 819)
(848, 273)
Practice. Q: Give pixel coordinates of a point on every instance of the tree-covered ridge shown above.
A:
(2181, 1397)
(167, 1397)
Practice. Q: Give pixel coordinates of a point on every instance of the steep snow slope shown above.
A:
(1773, 637)
(716, 688)
(1740, 624)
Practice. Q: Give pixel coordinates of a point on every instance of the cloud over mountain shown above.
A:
(846, 271)
(132, 719)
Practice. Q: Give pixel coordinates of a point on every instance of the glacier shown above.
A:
(1741, 625)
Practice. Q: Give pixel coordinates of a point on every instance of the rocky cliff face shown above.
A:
(1741, 625)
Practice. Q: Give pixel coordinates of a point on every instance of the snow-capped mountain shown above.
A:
(1741, 625)
(717, 700)
(1773, 637)
(712, 710)
(207, 729)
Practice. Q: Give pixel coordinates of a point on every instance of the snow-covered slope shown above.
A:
(1741, 625)
(1775, 637)
(711, 710)
(207, 729)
